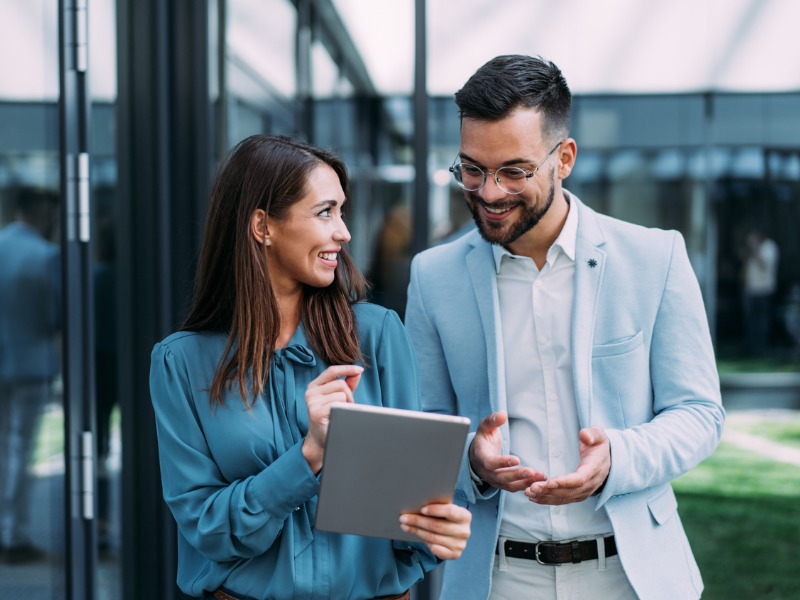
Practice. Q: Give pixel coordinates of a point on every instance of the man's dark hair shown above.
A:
(30, 200)
(511, 81)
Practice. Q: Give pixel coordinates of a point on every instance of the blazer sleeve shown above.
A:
(223, 520)
(438, 395)
(688, 414)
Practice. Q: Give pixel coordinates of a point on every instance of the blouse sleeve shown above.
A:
(397, 366)
(222, 520)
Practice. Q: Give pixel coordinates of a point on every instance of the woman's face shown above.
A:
(304, 247)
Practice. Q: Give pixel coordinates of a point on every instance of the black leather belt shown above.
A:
(557, 553)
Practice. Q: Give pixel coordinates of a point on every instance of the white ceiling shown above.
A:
(602, 46)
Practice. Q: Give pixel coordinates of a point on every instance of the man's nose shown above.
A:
(490, 191)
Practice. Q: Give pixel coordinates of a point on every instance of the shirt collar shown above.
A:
(565, 242)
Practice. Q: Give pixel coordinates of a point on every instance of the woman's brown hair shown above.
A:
(233, 293)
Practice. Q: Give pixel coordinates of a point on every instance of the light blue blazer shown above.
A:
(644, 371)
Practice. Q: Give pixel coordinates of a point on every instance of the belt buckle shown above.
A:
(537, 554)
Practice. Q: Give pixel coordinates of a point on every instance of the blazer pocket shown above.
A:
(619, 347)
(663, 506)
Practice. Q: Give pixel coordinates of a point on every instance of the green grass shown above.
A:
(783, 432)
(50, 440)
(742, 516)
(50, 437)
(756, 365)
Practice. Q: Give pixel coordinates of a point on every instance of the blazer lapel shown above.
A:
(590, 262)
(481, 267)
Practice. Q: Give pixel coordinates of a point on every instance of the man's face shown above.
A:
(514, 141)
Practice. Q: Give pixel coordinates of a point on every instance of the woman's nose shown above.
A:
(342, 234)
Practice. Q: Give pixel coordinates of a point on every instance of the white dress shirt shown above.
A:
(536, 364)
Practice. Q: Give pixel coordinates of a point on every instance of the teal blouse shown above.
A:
(237, 484)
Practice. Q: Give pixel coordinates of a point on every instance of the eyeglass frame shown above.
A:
(494, 173)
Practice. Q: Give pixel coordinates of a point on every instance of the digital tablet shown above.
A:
(382, 462)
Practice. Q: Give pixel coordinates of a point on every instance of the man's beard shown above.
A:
(496, 233)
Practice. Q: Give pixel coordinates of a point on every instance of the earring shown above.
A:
(267, 242)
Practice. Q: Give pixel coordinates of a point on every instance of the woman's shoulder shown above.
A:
(372, 315)
(377, 324)
(192, 343)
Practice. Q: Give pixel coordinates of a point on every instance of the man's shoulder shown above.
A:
(23, 238)
(452, 250)
(632, 236)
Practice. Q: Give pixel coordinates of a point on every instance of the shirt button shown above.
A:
(557, 510)
(543, 340)
(553, 397)
(296, 508)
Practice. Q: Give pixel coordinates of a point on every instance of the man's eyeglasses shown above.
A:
(511, 180)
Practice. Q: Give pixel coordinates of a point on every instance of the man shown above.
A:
(29, 301)
(578, 346)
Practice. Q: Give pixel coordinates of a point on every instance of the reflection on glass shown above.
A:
(31, 432)
(108, 450)
(32, 536)
(260, 91)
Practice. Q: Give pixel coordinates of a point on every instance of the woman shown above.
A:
(242, 394)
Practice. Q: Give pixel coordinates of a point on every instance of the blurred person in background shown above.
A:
(578, 345)
(392, 257)
(791, 319)
(277, 332)
(30, 293)
(760, 257)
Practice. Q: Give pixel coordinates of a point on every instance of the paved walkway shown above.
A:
(767, 448)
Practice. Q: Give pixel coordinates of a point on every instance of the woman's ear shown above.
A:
(259, 228)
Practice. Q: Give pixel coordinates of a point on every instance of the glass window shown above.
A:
(260, 71)
(32, 485)
(103, 173)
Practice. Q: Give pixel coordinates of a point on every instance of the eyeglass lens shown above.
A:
(511, 180)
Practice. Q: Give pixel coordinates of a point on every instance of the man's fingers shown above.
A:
(516, 479)
(493, 462)
(493, 421)
(592, 436)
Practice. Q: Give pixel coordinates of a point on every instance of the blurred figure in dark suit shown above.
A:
(30, 293)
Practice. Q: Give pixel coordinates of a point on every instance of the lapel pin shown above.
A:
(592, 263)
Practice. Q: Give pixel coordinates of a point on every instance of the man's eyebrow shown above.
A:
(513, 161)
